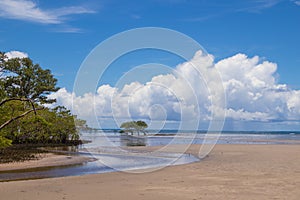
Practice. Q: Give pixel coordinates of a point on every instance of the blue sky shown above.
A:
(59, 34)
(268, 28)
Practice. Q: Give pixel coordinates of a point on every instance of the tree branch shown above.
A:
(20, 99)
(18, 117)
(14, 99)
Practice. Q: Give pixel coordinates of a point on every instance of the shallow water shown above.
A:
(108, 159)
(113, 139)
(106, 163)
(107, 148)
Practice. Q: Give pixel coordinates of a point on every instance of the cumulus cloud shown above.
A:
(16, 54)
(250, 84)
(253, 92)
(28, 10)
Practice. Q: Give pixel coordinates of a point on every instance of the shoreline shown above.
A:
(231, 171)
(52, 160)
(46, 160)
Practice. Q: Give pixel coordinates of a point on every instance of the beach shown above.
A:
(45, 160)
(230, 171)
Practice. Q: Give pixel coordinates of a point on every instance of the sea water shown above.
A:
(109, 149)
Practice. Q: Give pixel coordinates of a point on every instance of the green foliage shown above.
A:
(24, 87)
(25, 79)
(134, 126)
(141, 124)
(4, 142)
(48, 126)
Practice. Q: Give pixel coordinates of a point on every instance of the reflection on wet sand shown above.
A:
(130, 140)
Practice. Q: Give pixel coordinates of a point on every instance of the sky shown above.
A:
(254, 44)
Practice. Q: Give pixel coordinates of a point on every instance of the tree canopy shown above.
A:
(134, 126)
(24, 89)
(21, 78)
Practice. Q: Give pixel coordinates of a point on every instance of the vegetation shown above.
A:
(134, 126)
(24, 119)
(81, 124)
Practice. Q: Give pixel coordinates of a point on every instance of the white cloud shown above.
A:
(16, 54)
(251, 87)
(259, 5)
(297, 3)
(67, 30)
(28, 10)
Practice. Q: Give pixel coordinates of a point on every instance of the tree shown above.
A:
(48, 126)
(24, 88)
(24, 79)
(134, 126)
(8, 121)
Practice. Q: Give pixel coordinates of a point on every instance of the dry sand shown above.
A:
(230, 172)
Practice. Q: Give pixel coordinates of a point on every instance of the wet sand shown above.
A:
(230, 172)
(45, 160)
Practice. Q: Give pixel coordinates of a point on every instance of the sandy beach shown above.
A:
(45, 160)
(229, 172)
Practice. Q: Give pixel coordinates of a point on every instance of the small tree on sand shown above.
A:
(134, 126)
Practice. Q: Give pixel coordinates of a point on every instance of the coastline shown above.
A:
(45, 160)
(231, 171)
